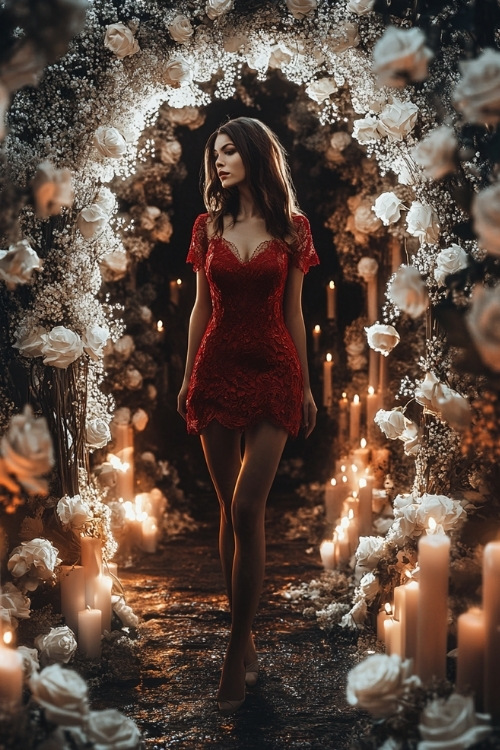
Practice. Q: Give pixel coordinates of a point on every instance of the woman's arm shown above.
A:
(200, 315)
(294, 321)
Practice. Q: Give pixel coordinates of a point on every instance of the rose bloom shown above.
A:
(411, 439)
(445, 511)
(477, 94)
(378, 682)
(360, 7)
(97, 434)
(454, 408)
(14, 602)
(436, 153)
(370, 550)
(58, 645)
(367, 268)
(340, 140)
(91, 221)
(321, 89)
(400, 56)
(235, 43)
(397, 119)
(38, 556)
(369, 585)
(94, 340)
(486, 216)
(425, 392)
(124, 346)
(422, 222)
(364, 219)
(109, 142)
(301, 8)
(451, 723)
(181, 29)
(170, 152)
(111, 730)
(191, 117)
(483, 323)
(382, 338)
(408, 291)
(73, 511)
(18, 263)
(216, 8)
(113, 265)
(392, 423)
(449, 260)
(62, 693)
(140, 420)
(280, 55)
(125, 613)
(30, 660)
(105, 200)
(61, 347)
(387, 208)
(27, 450)
(52, 189)
(366, 130)
(120, 40)
(343, 36)
(178, 72)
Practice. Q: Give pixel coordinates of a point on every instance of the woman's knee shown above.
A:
(247, 515)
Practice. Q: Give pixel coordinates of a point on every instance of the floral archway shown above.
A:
(412, 89)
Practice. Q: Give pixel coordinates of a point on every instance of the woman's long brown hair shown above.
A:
(268, 175)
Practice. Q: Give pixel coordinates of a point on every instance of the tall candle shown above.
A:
(330, 300)
(335, 494)
(149, 534)
(470, 661)
(392, 636)
(432, 624)
(373, 368)
(491, 607)
(11, 678)
(410, 619)
(361, 455)
(316, 338)
(383, 615)
(89, 633)
(365, 505)
(327, 381)
(382, 381)
(91, 558)
(372, 402)
(123, 437)
(342, 544)
(327, 553)
(372, 298)
(174, 287)
(102, 600)
(395, 250)
(343, 425)
(73, 597)
(354, 418)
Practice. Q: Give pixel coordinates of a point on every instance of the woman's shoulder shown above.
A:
(300, 221)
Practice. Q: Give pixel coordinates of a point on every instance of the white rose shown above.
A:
(140, 420)
(30, 345)
(190, 117)
(62, 693)
(436, 153)
(91, 221)
(178, 72)
(411, 439)
(4, 107)
(52, 189)
(61, 347)
(105, 200)
(181, 29)
(483, 323)
(340, 140)
(446, 724)
(387, 208)
(370, 550)
(408, 291)
(400, 56)
(14, 602)
(369, 585)
(364, 219)
(301, 8)
(477, 94)
(97, 433)
(445, 511)
(124, 346)
(366, 130)
(170, 152)
(73, 511)
(398, 119)
(449, 260)
(422, 222)
(367, 268)
(18, 263)
(235, 43)
(216, 8)
(392, 423)
(360, 7)
(120, 40)
(30, 660)
(382, 338)
(453, 408)
(27, 450)
(321, 89)
(280, 55)
(94, 340)
(58, 645)
(111, 730)
(109, 142)
(38, 558)
(258, 58)
(378, 682)
(113, 265)
(125, 613)
(486, 216)
(425, 392)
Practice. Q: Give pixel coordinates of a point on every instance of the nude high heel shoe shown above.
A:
(226, 708)
(252, 674)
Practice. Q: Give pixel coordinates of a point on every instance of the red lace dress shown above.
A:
(247, 368)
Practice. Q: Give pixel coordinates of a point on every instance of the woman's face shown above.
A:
(228, 162)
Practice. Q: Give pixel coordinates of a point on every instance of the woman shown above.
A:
(246, 367)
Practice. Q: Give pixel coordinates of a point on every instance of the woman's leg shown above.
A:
(264, 445)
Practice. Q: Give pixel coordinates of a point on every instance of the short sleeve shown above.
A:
(199, 243)
(304, 254)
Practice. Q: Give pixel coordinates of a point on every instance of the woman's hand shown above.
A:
(309, 412)
(181, 400)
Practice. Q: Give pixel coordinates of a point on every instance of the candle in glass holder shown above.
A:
(316, 338)
(91, 558)
(330, 300)
(327, 381)
(470, 660)
(73, 594)
(491, 607)
(354, 418)
(327, 554)
(89, 632)
(11, 678)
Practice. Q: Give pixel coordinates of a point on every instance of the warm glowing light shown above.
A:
(117, 464)
(344, 394)
(344, 523)
(432, 524)
(328, 357)
(371, 390)
(388, 608)
(129, 511)
(7, 637)
(343, 468)
(159, 325)
(331, 285)
(355, 400)
(362, 443)
(317, 329)
(362, 482)
(333, 482)
(350, 514)
(355, 494)
(354, 468)
(344, 479)
(179, 282)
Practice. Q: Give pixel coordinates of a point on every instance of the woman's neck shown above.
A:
(247, 207)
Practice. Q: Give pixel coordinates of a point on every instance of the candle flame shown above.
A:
(344, 523)
(343, 468)
(179, 282)
(432, 524)
(362, 443)
(329, 357)
(344, 479)
(355, 494)
(331, 285)
(371, 390)
(362, 482)
(117, 463)
(7, 637)
(388, 608)
(317, 329)
(350, 514)
(344, 394)
(333, 482)
(354, 468)
(356, 399)
(159, 325)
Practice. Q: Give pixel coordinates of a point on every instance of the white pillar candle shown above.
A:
(327, 381)
(491, 607)
(354, 418)
(174, 286)
(330, 300)
(102, 600)
(316, 338)
(91, 558)
(365, 505)
(372, 407)
(158, 504)
(383, 376)
(395, 250)
(392, 636)
(383, 615)
(410, 618)
(432, 626)
(373, 368)
(470, 660)
(89, 633)
(73, 596)
(327, 554)
(125, 475)
(149, 534)
(335, 494)
(372, 299)
(342, 544)
(123, 437)
(399, 594)
(353, 532)
(11, 678)
(361, 455)
(343, 425)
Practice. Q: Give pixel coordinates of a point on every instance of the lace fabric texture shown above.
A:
(247, 368)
